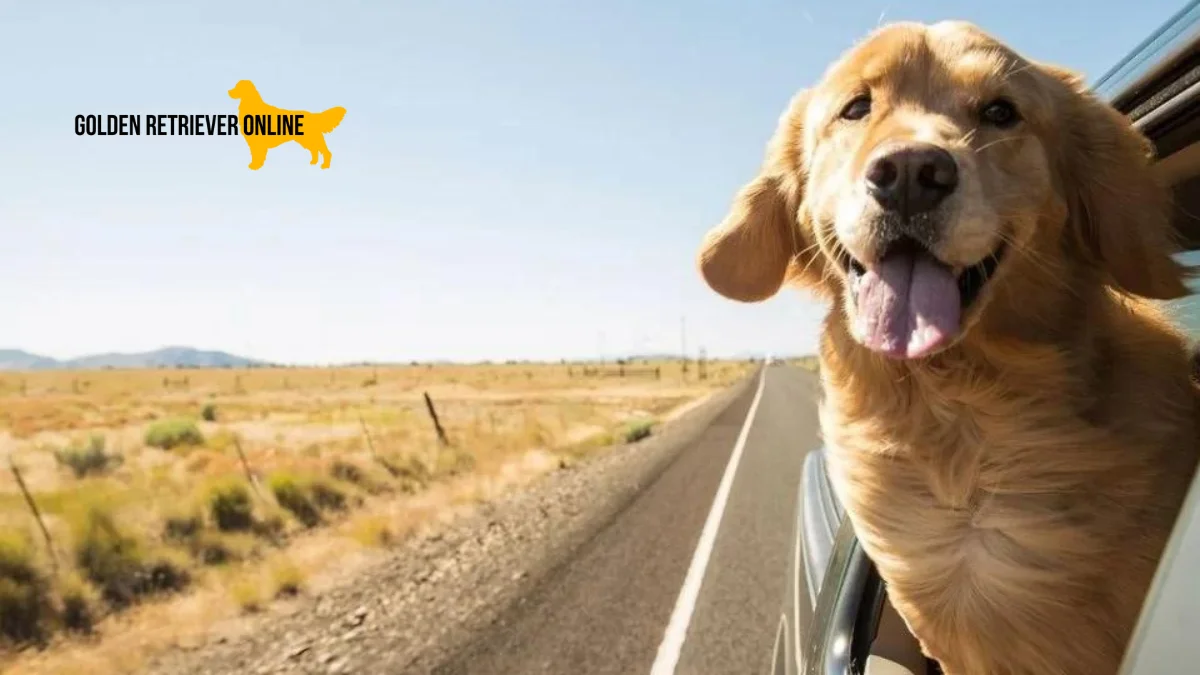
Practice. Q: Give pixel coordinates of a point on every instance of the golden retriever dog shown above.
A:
(312, 132)
(1009, 417)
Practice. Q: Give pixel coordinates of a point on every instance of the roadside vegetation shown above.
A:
(147, 484)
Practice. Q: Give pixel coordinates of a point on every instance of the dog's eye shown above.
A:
(1000, 113)
(858, 108)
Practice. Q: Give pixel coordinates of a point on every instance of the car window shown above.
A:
(1187, 310)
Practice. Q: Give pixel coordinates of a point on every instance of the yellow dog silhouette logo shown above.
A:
(265, 126)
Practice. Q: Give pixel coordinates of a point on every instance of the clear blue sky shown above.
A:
(513, 179)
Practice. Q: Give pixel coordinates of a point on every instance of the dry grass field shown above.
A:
(237, 485)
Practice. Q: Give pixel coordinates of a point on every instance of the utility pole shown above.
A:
(683, 343)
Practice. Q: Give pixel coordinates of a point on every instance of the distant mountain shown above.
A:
(16, 359)
(167, 357)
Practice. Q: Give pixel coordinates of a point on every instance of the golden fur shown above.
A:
(1015, 488)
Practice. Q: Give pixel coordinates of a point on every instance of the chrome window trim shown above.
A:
(1153, 56)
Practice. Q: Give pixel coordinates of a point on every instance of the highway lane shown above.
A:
(620, 605)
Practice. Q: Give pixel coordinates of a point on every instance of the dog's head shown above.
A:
(243, 89)
(933, 171)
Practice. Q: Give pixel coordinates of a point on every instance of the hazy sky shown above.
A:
(512, 179)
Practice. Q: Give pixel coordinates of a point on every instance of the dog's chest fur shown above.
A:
(987, 509)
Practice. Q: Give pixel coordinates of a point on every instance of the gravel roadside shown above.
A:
(433, 594)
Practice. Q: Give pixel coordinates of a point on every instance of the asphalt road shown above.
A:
(621, 604)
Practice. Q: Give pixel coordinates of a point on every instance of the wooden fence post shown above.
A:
(237, 444)
(37, 514)
(367, 435)
(375, 456)
(437, 425)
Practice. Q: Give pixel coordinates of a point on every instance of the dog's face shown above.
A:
(927, 170)
(242, 89)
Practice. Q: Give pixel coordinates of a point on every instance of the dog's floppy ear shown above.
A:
(760, 243)
(1120, 215)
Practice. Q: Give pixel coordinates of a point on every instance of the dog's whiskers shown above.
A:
(1053, 272)
(812, 259)
(985, 146)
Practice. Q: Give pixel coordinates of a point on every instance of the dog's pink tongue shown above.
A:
(908, 305)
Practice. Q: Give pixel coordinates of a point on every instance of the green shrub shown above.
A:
(172, 433)
(305, 498)
(248, 595)
(292, 494)
(209, 412)
(372, 530)
(210, 549)
(91, 458)
(230, 506)
(182, 526)
(368, 478)
(22, 611)
(270, 524)
(412, 474)
(636, 431)
(25, 607)
(287, 578)
(166, 571)
(110, 558)
(221, 441)
(118, 563)
(16, 556)
(327, 495)
(348, 472)
(78, 613)
(453, 462)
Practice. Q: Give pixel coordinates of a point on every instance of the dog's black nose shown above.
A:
(911, 179)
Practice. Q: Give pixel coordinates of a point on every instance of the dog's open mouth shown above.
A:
(910, 304)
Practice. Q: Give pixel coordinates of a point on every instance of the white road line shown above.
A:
(685, 605)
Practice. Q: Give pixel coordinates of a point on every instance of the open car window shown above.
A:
(1187, 310)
